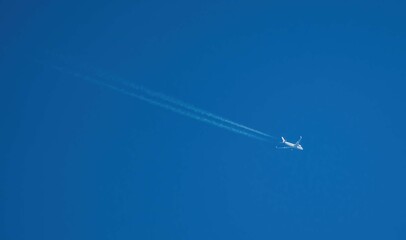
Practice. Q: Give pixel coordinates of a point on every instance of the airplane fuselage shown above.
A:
(293, 146)
(289, 145)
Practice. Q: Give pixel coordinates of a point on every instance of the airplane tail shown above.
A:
(283, 140)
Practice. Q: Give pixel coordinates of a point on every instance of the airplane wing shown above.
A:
(298, 141)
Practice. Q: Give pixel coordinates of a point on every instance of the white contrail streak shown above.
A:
(166, 102)
(185, 113)
(185, 106)
(158, 102)
(197, 110)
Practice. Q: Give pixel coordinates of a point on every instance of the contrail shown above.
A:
(185, 113)
(166, 102)
(186, 106)
(197, 110)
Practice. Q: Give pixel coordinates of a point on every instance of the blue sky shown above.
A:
(82, 161)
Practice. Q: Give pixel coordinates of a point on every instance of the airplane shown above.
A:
(290, 145)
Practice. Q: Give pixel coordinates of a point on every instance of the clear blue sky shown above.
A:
(81, 161)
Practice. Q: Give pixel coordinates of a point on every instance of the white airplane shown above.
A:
(290, 145)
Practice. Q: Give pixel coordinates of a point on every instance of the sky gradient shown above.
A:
(82, 161)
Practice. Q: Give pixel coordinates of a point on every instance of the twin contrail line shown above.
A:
(186, 106)
(198, 110)
(169, 103)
